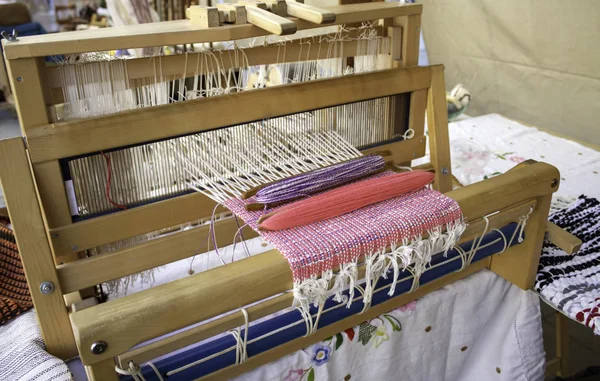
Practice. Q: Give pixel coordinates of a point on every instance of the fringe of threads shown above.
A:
(415, 253)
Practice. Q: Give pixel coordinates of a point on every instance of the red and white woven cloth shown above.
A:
(388, 231)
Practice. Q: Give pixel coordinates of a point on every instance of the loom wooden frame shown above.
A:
(49, 242)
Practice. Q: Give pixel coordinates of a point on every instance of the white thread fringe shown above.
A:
(415, 253)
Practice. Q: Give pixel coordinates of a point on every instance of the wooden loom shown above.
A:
(49, 240)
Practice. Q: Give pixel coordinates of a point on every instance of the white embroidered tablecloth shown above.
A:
(479, 328)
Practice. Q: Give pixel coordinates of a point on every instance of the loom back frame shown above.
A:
(50, 243)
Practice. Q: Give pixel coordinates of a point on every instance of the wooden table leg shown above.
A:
(562, 343)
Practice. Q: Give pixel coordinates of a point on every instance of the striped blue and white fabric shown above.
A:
(571, 283)
(23, 355)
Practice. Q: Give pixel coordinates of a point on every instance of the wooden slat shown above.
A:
(157, 252)
(25, 214)
(562, 238)
(439, 139)
(155, 312)
(184, 65)
(132, 222)
(354, 320)
(181, 32)
(205, 331)
(67, 139)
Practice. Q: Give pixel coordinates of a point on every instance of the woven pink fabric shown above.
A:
(318, 247)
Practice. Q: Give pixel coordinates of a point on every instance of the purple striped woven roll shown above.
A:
(319, 180)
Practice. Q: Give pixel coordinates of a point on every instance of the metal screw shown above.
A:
(445, 171)
(10, 37)
(47, 288)
(417, 29)
(554, 183)
(19, 79)
(98, 347)
(55, 235)
(414, 155)
(75, 248)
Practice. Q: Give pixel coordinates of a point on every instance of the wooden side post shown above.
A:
(102, 371)
(437, 122)
(25, 213)
(405, 33)
(520, 267)
(28, 81)
(562, 344)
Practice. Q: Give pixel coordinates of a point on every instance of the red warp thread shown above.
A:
(108, 182)
(344, 200)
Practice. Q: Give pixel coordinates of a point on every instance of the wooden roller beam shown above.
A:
(124, 322)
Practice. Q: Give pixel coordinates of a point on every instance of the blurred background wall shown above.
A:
(535, 61)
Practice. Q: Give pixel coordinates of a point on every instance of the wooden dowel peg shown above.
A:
(278, 7)
(203, 16)
(233, 13)
(562, 238)
(309, 13)
(258, 16)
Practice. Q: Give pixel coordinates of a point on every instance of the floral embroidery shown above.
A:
(516, 159)
(339, 338)
(375, 331)
(365, 332)
(321, 354)
(503, 155)
(350, 333)
(491, 175)
(381, 336)
(395, 323)
(294, 375)
(411, 306)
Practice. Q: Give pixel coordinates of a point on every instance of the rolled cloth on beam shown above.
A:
(319, 180)
(344, 200)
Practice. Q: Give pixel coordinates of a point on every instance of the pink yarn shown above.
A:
(344, 200)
